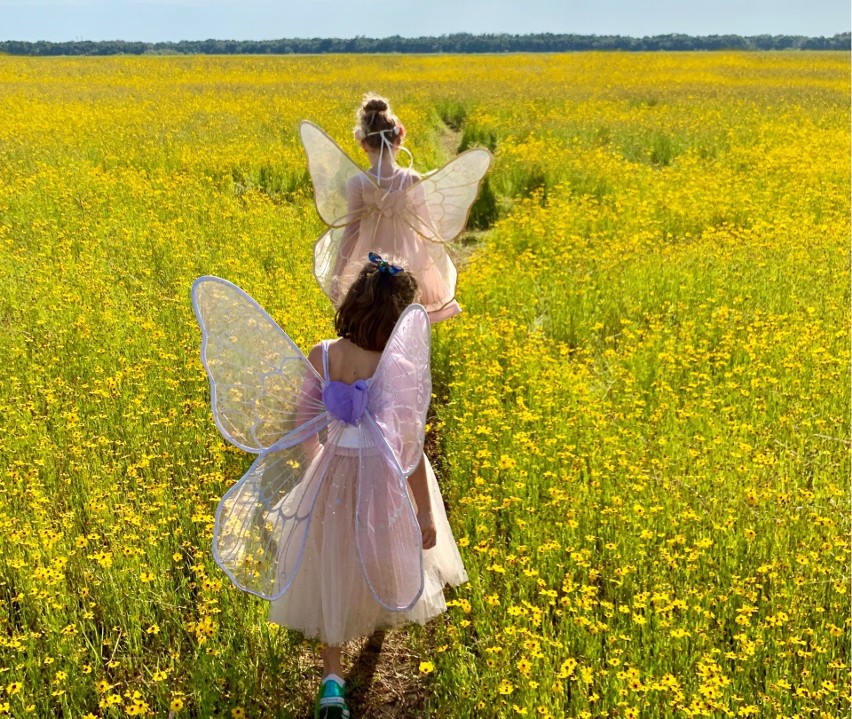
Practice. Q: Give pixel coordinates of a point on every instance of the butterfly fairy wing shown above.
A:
(332, 173)
(388, 537)
(266, 399)
(338, 183)
(401, 388)
(260, 381)
(441, 201)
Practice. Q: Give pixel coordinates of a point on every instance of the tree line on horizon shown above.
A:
(456, 43)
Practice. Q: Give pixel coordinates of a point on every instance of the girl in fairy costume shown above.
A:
(339, 522)
(389, 209)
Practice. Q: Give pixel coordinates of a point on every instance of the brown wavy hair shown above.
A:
(373, 304)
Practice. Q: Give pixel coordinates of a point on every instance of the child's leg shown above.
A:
(331, 661)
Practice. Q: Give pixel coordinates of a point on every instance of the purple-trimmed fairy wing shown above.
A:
(257, 373)
(401, 388)
(387, 532)
(262, 522)
(266, 399)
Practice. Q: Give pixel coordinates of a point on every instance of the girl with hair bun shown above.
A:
(389, 209)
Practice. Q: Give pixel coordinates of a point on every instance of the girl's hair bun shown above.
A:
(373, 103)
(375, 116)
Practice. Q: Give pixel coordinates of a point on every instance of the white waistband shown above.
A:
(352, 437)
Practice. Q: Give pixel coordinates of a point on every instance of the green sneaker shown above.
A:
(331, 703)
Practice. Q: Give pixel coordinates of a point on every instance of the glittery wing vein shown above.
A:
(257, 373)
(331, 172)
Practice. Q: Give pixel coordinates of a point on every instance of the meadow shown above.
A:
(640, 420)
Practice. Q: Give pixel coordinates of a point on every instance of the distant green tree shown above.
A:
(454, 43)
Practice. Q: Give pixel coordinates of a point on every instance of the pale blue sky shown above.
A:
(159, 20)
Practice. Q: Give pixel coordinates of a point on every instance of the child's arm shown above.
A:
(420, 489)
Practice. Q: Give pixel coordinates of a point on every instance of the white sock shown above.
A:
(334, 678)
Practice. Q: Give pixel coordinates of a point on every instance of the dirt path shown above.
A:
(450, 142)
(383, 679)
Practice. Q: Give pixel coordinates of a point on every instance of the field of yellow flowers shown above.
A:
(641, 420)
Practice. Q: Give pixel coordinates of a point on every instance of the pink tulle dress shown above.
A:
(392, 220)
(330, 597)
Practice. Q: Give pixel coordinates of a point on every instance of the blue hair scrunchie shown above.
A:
(384, 267)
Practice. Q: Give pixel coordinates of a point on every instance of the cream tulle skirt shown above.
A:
(329, 598)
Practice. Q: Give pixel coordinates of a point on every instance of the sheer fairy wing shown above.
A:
(442, 200)
(267, 399)
(388, 537)
(262, 522)
(262, 388)
(335, 265)
(401, 388)
(331, 172)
